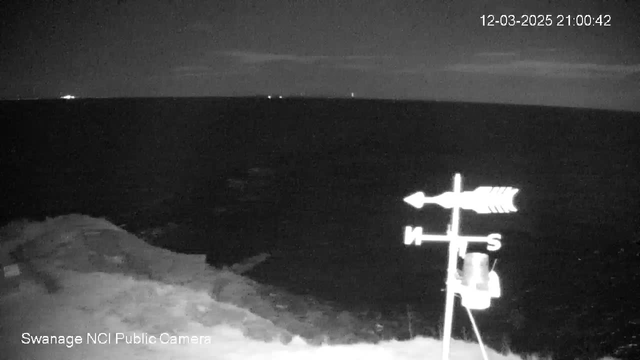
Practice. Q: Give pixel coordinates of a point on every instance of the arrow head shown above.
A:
(416, 200)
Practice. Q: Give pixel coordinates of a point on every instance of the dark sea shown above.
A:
(319, 184)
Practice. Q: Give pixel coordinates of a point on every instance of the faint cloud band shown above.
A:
(548, 69)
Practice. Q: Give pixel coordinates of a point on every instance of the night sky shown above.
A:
(402, 49)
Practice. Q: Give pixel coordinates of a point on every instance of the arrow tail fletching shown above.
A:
(492, 200)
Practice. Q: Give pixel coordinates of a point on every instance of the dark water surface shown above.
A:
(320, 183)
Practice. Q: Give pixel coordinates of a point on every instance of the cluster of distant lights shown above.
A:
(71, 97)
(280, 96)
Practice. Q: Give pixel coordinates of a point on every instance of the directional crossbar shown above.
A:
(415, 236)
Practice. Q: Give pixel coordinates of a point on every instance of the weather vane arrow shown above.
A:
(483, 200)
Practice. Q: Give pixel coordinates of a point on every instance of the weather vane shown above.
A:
(477, 285)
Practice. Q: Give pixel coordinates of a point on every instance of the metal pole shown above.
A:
(451, 270)
(475, 328)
